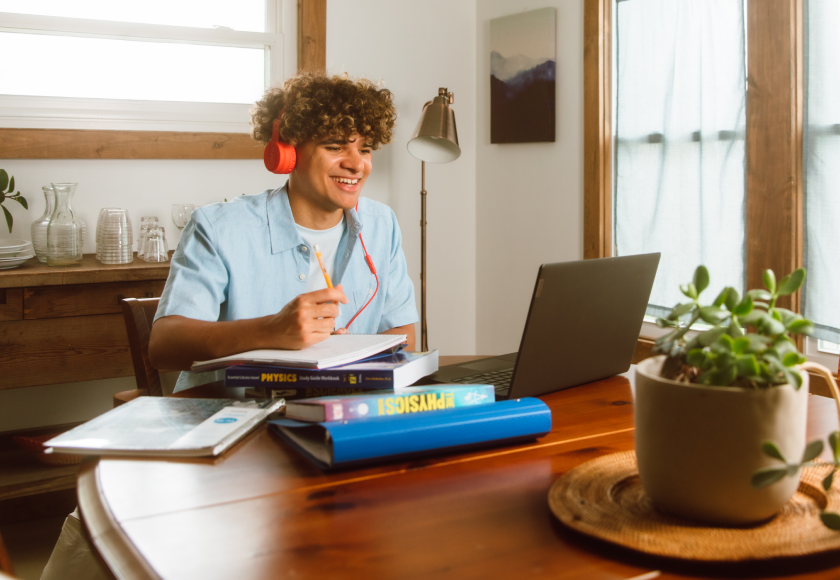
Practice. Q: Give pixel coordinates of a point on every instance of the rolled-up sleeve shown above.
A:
(399, 308)
(198, 278)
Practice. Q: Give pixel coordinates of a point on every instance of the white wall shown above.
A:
(529, 201)
(413, 50)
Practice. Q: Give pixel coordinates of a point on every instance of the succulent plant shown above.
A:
(7, 186)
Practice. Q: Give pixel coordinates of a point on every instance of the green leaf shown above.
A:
(829, 479)
(831, 520)
(4, 179)
(9, 220)
(697, 358)
(747, 366)
(707, 337)
(732, 299)
(812, 450)
(740, 345)
(753, 317)
(721, 298)
(723, 344)
(12, 184)
(701, 278)
(792, 358)
(689, 290)
(743, 308)
(720, 377)
(735, 330)
(801, 327)
(21, 200)
(769, 279)
(759, 294)
(712, 314)
(791, 282)
(771, 450)
(665, 323)
(767, 476)
(792, 377)
(834, 445)
(757, 342)
(680, 309)
(769, 326)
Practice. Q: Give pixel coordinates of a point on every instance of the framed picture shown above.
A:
(522, 77)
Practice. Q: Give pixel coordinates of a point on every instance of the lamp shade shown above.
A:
(436, 138)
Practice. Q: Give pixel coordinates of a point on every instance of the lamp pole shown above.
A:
(424, 336)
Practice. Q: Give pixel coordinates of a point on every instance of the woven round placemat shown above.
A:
(604, 498)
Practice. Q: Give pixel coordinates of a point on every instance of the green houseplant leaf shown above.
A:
(812, 450)
(701, 279)
(4, 179)
(772, 450)
(831, 520)
(768, 476)
(791, 283)
(9, 219)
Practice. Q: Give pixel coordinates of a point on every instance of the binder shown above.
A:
(342, 444)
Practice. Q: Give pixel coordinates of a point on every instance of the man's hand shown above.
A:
(306, 320)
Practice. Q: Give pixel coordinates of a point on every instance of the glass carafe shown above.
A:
(39, 226)
(64, 243)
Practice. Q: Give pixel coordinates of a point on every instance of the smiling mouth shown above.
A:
(345, 180)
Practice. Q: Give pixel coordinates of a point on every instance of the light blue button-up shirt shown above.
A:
(245, 259)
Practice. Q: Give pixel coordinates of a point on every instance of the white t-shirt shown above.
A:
(327, 241)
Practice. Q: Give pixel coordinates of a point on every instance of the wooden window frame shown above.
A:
(88, 144)
(774, 133)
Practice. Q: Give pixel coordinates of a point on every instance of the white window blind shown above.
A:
(821, 151)
(679, 126)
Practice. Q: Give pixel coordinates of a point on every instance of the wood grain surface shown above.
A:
(11, 304)
(262, 511)
(85, 299)
(84, 144)
(63, 350)
(312, 35)
(90, 271)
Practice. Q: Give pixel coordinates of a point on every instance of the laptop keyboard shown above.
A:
(499, 379)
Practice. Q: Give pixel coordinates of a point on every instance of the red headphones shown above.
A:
(279, 157)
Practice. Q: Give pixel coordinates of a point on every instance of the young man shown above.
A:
(244, 275)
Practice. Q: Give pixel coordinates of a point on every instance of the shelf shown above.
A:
(90, 271)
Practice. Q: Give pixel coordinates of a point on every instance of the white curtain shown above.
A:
(821, 296)
(679, 134)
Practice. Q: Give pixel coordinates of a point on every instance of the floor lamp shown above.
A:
(434, 140)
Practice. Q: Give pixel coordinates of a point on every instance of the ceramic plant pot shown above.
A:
(698, 446)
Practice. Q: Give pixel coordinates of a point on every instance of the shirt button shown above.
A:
(302, 277)
(304, 249)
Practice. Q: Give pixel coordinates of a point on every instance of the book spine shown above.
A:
(293, 394)
(364, 407)
(305, 378)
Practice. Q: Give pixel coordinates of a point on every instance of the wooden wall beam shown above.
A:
(597, 129)
(80, 144)
(312, 35)
(775, 118)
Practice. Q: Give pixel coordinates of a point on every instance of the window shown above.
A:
(93, 64)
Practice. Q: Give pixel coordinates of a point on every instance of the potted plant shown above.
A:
(7, 186)
(716, 412)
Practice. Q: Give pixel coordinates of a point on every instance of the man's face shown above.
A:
(331, 172)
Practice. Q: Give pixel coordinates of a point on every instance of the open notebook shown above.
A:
(338, 349)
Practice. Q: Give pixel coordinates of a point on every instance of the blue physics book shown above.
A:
(341, 444)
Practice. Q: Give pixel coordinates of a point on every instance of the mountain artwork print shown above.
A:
(522, 77)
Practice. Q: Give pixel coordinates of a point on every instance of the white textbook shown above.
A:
(166, 426)
(338, 349)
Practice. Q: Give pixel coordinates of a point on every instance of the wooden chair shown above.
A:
(139, 313)
(6, 570)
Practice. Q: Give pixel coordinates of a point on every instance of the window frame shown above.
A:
(64, 143)
(774, 137)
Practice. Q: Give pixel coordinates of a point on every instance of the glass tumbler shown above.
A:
(145, 223)
(155, 248)
(181, 213)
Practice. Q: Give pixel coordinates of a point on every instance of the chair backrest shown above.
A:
(139, 313)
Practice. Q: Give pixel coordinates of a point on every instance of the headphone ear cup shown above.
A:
(279, 157)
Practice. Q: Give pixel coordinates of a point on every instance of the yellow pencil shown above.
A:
(321, 263)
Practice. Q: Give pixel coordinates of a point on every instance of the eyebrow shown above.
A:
(340, 142)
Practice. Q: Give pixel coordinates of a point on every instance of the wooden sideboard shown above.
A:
(65, 324)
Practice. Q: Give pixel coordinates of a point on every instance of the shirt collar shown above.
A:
(281, 222)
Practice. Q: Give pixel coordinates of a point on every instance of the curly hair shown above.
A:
(316, 106)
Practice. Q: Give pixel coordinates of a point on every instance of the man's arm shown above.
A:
(177, 341)
(408, 330)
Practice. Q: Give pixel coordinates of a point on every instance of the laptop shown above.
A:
(582, 325)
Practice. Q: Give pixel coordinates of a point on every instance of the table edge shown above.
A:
(122, 557)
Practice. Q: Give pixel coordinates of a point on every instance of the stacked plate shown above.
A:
(113, 237)
(13, 253)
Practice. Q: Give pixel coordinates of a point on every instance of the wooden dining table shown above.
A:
(263, 511)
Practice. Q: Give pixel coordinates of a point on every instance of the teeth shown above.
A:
(346, 180)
